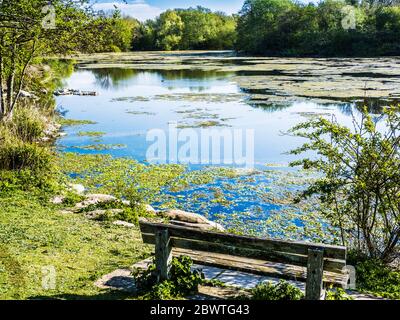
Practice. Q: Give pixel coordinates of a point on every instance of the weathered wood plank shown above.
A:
(255, 266)
(315, 271)
(163, 254)
(266, 255)
(294, 247)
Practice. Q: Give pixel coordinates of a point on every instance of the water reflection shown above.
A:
(113, 77)
(133, 102)
(117, 78)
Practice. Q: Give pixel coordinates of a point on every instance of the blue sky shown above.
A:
(147, 9)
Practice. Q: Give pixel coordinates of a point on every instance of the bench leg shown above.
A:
(163, 254)
(315, 270)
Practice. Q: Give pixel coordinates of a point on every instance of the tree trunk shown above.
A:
(10, 82)
(2, 100)
(21, 79)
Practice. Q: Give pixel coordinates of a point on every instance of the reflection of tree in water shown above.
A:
(193, 74)
(269, 107)
(62, 69)
(108, 78)
(373, 105)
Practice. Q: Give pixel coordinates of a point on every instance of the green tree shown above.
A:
(360, 187)
(330, 28)
(145, 38)
(30, 29)
(186, 29)
(257, 25)
(170, 30)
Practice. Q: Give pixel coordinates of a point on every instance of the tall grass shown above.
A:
(24, 161)
(27, 124)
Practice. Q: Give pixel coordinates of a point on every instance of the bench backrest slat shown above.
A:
(288, 252)
(331, 265)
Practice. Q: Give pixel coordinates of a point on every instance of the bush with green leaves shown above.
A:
(337, 294)
(283, 290)
(374, 277)
(182, 280)
(27, 124)
(360, 184)
(72, 198)
(25, 165)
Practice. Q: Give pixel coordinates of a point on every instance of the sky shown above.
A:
(149, 9)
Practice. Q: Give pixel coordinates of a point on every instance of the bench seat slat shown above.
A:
(258, 267)
(292, 247)
(265, 255)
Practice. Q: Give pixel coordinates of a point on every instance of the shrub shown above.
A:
(374, 277)
(280, 291)
(24, 164)
(19, 155)
(72, 198)
(359, 189)
(337, 294)
(28, 180)
(27, 124)
(130, 215)
(183, 280)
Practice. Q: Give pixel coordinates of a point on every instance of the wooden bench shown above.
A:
(314, 264)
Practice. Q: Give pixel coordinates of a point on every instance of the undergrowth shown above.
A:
(183, 280)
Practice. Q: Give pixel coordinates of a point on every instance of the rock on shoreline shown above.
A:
(175, 216)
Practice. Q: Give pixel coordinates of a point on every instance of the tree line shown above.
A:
(185, 29)
(266, 27)
(330, 28)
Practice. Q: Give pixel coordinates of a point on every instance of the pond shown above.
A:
(133, 103)
(130, 103)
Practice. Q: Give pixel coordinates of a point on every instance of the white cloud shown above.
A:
(138, 9)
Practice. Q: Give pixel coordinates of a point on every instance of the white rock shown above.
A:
(99, 197)
(150, 209)
(77, 188)
(94, 214)
(216, 226)
(190, 218)
(57, 200)
(26, 94)
(95, 199)
(124, 224)
(211, 226)
(185, 216)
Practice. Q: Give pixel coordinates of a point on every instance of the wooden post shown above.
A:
(315, 270)
(163, 254)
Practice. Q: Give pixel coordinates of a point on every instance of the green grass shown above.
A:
(101, 147)
(34, 235)
(73, 122)
(91, 133)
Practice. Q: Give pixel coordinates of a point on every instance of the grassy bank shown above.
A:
(34, 235)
